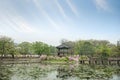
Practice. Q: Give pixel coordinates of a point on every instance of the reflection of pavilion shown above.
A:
(63, 50)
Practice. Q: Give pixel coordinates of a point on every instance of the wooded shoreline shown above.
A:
(38, 59)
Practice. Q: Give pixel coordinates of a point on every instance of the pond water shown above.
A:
(58, 72)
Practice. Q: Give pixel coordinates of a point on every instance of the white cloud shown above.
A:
(45, 14)
(12, 20)
(17, 23)
(73, 8)
(8, 23)
(60, 9)
(23, 24)
(101, 4)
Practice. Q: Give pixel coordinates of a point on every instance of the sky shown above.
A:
(50, 21)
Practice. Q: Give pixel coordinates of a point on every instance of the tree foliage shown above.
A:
(97, 48)
(87, 49)
(40, 48)
(25, 48)
(6, 46)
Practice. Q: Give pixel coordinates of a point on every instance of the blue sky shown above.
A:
(52, 20)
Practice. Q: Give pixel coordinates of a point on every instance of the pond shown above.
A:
(40, 71)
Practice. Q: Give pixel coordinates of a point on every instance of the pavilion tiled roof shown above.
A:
(62, 46)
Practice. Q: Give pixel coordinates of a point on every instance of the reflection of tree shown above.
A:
(64, 72)
(30, 73)
(84, 72)
(5, 73)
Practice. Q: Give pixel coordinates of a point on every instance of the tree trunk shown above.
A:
(13, 56)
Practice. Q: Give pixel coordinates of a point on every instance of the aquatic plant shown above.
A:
(85, 72)
(5, 73)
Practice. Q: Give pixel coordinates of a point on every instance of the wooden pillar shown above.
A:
(67, 52)
(89, 61)
(102, 62)
(95, 61)
(118, 62)
(62, 51)
(109, 62)
(80, 62)
(83, 62)
(58, 52)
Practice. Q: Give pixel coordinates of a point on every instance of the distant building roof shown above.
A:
(62, 47)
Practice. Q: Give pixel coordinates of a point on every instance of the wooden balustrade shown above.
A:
(98, 61)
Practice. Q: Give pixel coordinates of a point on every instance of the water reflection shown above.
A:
(58, 72)
(5, 73)
(86, 72)
(31, 72)
(115, 77)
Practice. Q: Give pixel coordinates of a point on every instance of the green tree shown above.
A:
(87, 49)
(25, 48)
(70, 44)
(53, 50)
(105, 53)
(116, 50)
(40, 48)
(77, 47)
(7, 46)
